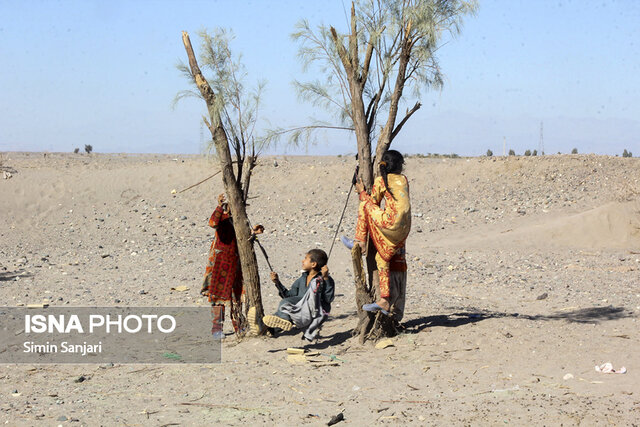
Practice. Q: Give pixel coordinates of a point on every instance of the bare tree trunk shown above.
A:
(248, 261)
(370, 325)
(362, 295)
(249, 164)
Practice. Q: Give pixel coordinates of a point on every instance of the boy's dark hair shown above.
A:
(392, 162)
(319, 257)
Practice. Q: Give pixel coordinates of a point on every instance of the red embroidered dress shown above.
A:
(223, 277)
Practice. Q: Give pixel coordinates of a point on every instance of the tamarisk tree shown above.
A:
(389, 48)
(231, 119)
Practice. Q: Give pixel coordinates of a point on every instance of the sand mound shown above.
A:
(615, 225)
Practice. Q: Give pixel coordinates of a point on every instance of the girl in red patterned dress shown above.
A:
(223, 276)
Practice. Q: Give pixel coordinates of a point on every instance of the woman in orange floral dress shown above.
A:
(387, 227)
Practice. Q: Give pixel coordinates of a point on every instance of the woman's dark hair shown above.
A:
(392, 162)
(226, 232)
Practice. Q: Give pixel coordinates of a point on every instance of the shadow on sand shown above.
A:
(583, 315)
(6, 276)
(472, 315)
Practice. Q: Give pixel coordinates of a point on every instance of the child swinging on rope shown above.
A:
(388, 228)
(308, 303)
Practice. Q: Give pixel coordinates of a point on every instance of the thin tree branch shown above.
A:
(367, 62)
(373, 106)
(326, 96)
(342, 53)
(395, 96)
(285, 131)
(353, 42)
(328, 56)
(403, 121)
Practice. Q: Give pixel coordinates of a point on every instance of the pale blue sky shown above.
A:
(103, 73)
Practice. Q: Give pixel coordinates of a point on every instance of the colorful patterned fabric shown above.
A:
(388, 227)
(383, 276)
(223, 277)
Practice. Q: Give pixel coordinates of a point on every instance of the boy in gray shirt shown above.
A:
(308, 303)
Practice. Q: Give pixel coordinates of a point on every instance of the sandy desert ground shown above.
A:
(521, 272)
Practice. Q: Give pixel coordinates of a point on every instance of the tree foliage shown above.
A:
(390, 46)
(235, 105)
(392, 33)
